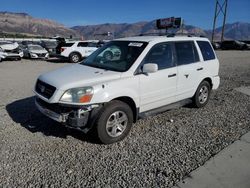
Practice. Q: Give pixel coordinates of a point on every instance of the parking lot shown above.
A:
(160, 150)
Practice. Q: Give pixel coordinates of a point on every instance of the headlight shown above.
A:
(78, 95)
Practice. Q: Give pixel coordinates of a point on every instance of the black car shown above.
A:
(233, 45)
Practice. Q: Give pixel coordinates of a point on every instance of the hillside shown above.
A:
(238, 30)
(25, 24)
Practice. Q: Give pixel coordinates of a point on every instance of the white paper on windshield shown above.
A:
(135, 44)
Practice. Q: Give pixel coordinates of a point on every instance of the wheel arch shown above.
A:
(75, 52)
(131, 103)
(209, 80)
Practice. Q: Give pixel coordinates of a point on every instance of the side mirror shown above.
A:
(149, 68)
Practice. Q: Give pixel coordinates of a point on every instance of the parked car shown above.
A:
(233, 45)
(150, 75)
(76, 51)
(50, 46)
(11, 50)
(35, 51)
(3, 55)
(247, 42)
(216, 45)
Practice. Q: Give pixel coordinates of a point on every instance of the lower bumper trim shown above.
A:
(53, 115)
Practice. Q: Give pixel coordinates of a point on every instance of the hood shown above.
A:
(10, 46)
(38, 51)
(78, 76)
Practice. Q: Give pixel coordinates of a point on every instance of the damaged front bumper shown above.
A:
(72, 116)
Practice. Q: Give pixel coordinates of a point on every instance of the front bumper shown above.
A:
(39, 56)
(75, 117)
(61, 118)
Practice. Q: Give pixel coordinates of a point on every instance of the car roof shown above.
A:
(161, 38)
(73, 41)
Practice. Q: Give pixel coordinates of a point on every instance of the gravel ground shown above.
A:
(37, 152)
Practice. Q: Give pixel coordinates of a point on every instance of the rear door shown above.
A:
(209, 63)
(188, 69)
(159, 88)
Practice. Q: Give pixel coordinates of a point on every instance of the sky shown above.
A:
(82, 12)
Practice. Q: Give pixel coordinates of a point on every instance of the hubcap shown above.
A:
(75, 58)
(116, 124)
(203, 94)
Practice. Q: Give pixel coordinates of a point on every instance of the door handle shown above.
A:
(171, 75)
(199, 69)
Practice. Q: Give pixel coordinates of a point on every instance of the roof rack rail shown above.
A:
(148, 34)
(172, 34)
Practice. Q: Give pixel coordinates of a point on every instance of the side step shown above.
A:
(164, 108)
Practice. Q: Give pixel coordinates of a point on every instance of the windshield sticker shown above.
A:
(135, 44)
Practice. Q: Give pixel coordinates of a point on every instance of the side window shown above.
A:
(160, 54)
(186, 52)
(82, 44)
(92, 44)
(206, 50)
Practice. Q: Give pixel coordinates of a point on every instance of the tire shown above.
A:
(202, 94)
(107, 128)
(74, 58)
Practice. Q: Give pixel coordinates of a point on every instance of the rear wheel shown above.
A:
(115, 122)
(74, 58)
(202, 94)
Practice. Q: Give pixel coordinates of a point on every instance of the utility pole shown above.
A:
(220, 8)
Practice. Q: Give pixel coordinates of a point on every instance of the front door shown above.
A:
(159, 88)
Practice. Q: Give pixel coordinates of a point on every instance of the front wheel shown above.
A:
(202, 94)
(115, 122)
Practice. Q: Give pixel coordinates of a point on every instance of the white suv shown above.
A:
(143, 76)
(76, 51)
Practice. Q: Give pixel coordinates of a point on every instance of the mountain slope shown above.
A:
(238, 30)
(24, 23)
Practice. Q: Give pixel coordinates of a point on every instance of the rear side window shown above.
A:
(92, 44)
(186, 52)
(67, 44)
(206, 50)
(82, 44)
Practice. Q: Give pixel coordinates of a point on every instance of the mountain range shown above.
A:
(26, 24)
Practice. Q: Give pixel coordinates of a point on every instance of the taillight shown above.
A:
(62, 49)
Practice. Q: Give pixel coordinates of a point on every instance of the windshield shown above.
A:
(116, 55)
(35, 48)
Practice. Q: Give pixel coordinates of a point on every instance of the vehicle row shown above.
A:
(232, 45)
(71, 51)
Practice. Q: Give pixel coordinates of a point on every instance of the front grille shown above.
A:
(44, 89)
(41, 55)
(17, 50)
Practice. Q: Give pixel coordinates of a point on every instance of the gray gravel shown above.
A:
(160, 150)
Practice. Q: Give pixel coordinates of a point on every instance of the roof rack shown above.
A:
(172, 34)
(148, 34)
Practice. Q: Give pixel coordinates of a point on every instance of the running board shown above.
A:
(165, 108)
